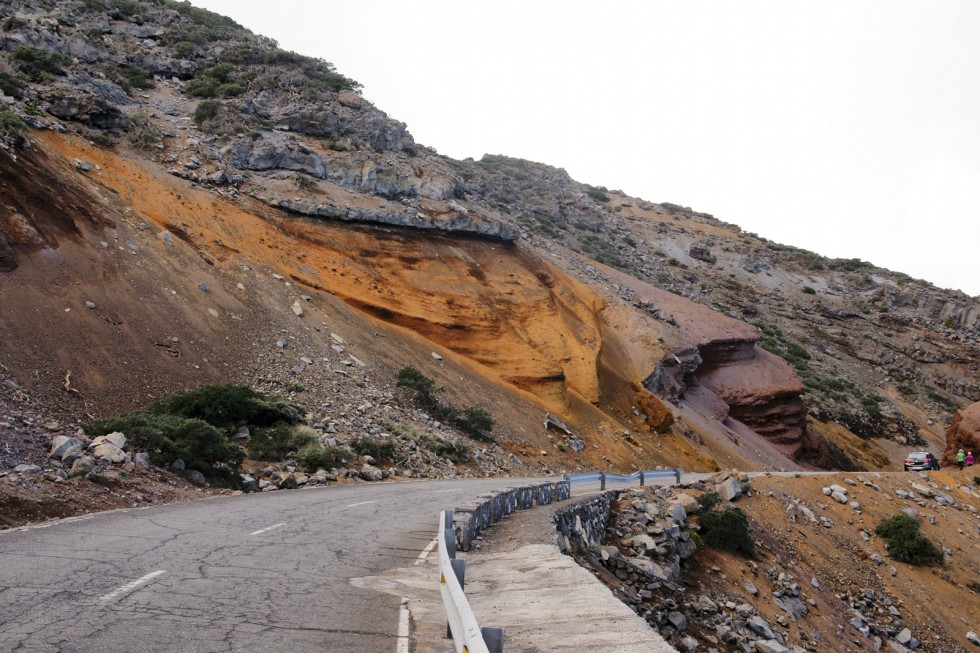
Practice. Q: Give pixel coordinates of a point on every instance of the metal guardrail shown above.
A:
(467, 635)
(642, 476)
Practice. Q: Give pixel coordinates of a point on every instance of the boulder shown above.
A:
(729, 490)
(759, 626)
(107, 451)
(72, 454)
(117, 439)
(60, 444)
(371, 473)
(142, 459)
(197, 478)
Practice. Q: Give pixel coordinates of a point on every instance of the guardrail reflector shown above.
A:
(442, 579)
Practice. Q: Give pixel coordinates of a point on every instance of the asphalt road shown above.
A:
(258, 572)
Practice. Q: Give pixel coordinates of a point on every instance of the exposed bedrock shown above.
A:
(757, 388)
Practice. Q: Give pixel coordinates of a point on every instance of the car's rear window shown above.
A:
(918, 455)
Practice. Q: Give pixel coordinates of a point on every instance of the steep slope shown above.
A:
(213, 158)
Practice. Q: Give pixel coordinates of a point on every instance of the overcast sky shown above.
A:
(847, 128)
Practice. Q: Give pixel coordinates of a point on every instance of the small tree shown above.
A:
(905, 542)
(728, 531)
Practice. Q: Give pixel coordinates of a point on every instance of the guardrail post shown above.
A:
(642, 478)
(459, 570)
(494, 639)
(449, 519)
(450, 537)
(678, 472)
(602, 480)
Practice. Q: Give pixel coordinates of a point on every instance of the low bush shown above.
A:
(455, 450)
(229, 406)
(474, 421)
(314, 456)
(277, 443)
(728, 530)
(708, 501)
(905, 542)
(12, 85)
(169, 437)
(39, 65)
(377, 448)
(206, 110)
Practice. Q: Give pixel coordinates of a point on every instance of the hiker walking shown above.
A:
(969, 459)
(960, 459)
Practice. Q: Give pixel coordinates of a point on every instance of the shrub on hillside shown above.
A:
(905, 542)
(315, 456)
(455, 450)
(708, 501)
(39, 65)
(169, 437)
(474, 421)
(228, 406)
(277, 443)
(728, 530)
(377, 448)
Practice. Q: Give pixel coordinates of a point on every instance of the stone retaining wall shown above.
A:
(583, 525)
(470, 519)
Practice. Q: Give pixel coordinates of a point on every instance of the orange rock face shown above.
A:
(963, 433)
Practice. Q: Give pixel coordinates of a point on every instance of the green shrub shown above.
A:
(905, 543)
(206, 110)
(597, 194)
(377, 448)
(129, 77)
(456, 451)
(277, 443)
(314, 456)
(728, 531)
(39, 65)
(410, 377)
(169, 437)
(183, 49)
(708, 501)
(809, 291)
(475, 422)
(11, 85)
(9, 121)
(228, 406)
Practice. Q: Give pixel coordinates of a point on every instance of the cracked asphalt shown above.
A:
(256, 572)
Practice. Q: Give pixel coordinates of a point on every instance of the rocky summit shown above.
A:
(185, 203)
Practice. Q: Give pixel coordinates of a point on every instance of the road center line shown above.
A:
(129, 587)
(268, 528)
(403, 628)
(444, 491)
(362, 503)
(426, 551)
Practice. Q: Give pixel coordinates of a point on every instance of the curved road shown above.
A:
(257, 572)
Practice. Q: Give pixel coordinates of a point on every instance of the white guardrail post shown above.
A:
(467, 635)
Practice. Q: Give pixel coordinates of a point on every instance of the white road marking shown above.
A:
(426, 551)
(362, 503)
(444, 491)
(268, 528)
(129, 587)
(403, 628)
(49, 524)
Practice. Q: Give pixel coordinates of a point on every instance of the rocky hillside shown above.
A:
(819, 577)
(184, 202)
